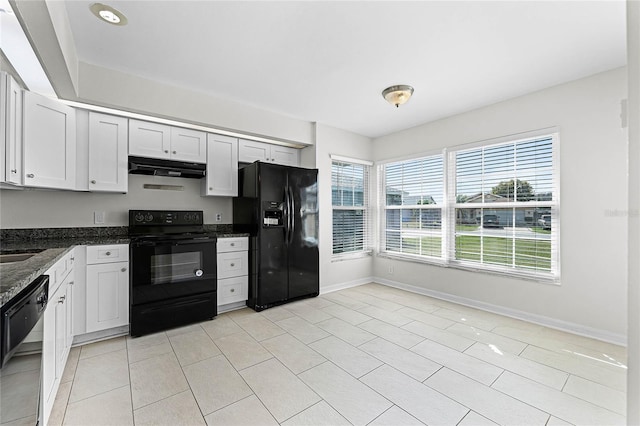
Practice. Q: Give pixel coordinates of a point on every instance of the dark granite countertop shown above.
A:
(55, 243)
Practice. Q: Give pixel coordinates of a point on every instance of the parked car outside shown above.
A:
(490, 221)
(545, 221)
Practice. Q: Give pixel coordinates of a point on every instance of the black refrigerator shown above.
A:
(278, 206)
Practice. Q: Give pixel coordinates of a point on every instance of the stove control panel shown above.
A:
(165, 217)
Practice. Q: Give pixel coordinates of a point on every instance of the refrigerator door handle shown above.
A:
(292, 221)
(287, 212)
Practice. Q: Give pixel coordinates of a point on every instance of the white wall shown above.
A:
(330, 140)
(593, 158)
(58, 209)
(633, 374)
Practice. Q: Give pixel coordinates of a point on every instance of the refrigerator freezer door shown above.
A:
(303, 234)
(271, 282)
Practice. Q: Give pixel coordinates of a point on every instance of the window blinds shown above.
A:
(350, 200)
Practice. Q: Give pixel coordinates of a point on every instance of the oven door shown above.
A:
(165, 270)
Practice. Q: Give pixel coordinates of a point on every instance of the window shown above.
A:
(350, 200)
(496, 210)
(504, 199)
(413, 193)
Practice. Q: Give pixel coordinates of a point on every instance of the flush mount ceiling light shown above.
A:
(397, 95)
(108, 14)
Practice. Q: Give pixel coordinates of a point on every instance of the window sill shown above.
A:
(517, 274)
(350, 256)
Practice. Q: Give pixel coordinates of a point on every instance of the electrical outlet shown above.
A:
(98, 217)
(218, 217)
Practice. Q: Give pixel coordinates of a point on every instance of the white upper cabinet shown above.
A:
(250, 151)
(222, 166)
(108, 165)
(154, 140)
(188, 145)
(11, 130)
(285, 155)
(49, 137)
(149, 139)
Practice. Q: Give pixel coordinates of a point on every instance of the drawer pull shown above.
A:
(71, 283)
(233, 264)
(61, 300)
(232, 244)
(108, 253)
(123, 269)
(30, 175)
(233, 290)
(93, 181)
(14, 170)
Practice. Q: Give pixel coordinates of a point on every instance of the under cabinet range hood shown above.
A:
(159, 167)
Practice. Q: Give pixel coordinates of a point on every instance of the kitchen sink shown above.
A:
(18, 256)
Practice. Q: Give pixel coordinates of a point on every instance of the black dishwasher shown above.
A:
(21, 314)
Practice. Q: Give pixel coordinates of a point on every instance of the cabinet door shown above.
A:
(250, 151)
(12, 127)
(49, 357)
(285, 155)
(107, 296)
(107, 153)
(49, 136)
(150, 140)
(222, 166)
(188, 145)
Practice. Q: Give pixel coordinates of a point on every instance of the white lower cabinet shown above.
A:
(107, 287)
(58, 331)
(233, 269)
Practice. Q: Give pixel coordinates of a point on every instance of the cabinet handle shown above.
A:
(232, 290)
(30, 175)
(93, 181)
(166, 151)
(174, 152)
(233, 264)
(210, 189)
(72, 258)
(232, 244)
(71, 283)
(108, 253)
(14, 170)
(61, 300)
(123, 269)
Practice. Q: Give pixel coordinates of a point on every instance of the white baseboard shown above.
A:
(97, 336)
(594, 333)
(345, 285)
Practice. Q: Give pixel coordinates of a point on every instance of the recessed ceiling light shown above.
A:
(108, 14)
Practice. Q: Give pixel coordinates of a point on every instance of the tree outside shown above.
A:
(506, 189)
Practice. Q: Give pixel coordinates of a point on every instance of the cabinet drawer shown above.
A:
(232, 264)
(233, 244)
(232, 290)
(107, 254)
(59, 271)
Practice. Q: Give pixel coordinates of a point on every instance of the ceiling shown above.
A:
(329, 61)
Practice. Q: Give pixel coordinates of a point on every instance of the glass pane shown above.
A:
(411, 245)
(348, 231)
(348, 184)
(516, 172)
(393, 241)
(468, 219)
(497, 250)
(431, 219)
(393, 219)
(533, 254)
(415, 182)
(431, 246)
(468, 247)
(173, 267)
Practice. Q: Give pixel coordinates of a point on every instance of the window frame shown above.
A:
(366, 209)
(450, 206)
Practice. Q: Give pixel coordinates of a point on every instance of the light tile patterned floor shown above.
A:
(369, 355)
